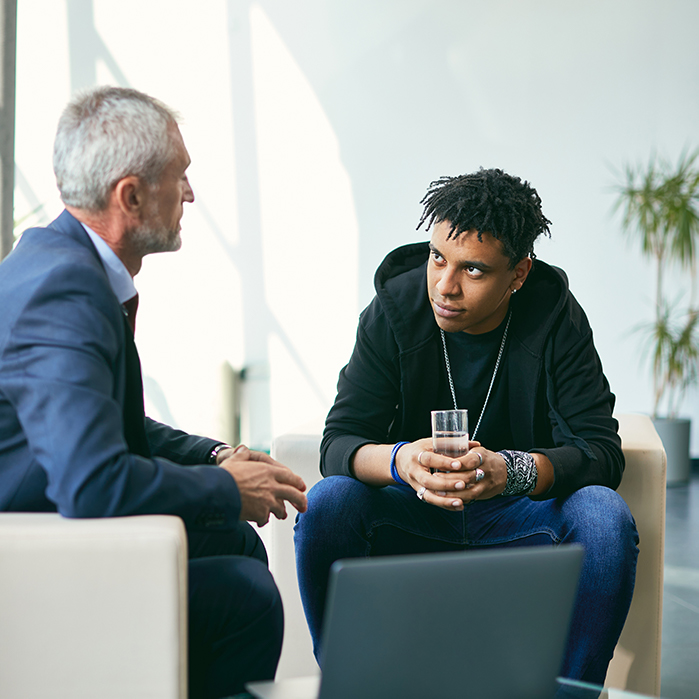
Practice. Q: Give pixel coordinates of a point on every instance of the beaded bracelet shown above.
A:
(394, 470)
(521, 472)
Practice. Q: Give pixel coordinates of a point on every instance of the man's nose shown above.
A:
(188, 193)
(447, 284)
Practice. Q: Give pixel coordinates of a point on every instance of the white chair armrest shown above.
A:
(93, 607)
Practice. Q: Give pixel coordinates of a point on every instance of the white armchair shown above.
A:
(93, 608)
(636, 663)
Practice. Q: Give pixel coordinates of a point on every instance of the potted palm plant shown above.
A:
(660, 208)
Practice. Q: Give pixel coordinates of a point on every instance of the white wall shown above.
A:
(315, 127)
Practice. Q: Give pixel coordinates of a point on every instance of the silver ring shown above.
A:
(419, 456)
(480, 456)
(480, 475)
(421, 492)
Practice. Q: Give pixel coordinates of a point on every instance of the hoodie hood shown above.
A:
(401, 287)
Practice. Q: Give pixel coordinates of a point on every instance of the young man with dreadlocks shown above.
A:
(472, 319)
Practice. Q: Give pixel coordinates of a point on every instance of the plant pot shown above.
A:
(674, 434)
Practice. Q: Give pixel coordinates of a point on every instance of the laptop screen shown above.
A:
(487, 624)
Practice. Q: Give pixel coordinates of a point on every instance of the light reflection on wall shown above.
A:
(309, 233)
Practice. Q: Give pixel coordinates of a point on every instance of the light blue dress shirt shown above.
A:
(119, 278)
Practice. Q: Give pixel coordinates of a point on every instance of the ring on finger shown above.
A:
(419, 459)
(421, 492)
(480, 456)
(480, 475)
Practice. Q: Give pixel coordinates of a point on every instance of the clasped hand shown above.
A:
(450, 482)
(264, 485)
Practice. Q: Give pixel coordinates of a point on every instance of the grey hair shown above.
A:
(104, 135)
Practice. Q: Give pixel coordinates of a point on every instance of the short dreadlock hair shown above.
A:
(488, 201)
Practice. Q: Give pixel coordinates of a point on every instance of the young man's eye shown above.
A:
(436, 256)
(474, 271)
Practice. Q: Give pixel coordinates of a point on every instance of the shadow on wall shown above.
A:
(87, 48)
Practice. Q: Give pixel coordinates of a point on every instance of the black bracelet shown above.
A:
(521, 472)
(213, 455)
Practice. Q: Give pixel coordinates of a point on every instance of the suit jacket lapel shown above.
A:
(134, 411)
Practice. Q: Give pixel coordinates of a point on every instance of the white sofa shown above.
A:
(636, 663)
(93, 608)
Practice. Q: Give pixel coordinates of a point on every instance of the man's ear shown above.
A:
(130, 196)
(522, 269)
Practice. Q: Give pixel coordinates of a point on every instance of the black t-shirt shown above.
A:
(472, 359)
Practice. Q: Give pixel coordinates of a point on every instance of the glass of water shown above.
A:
(450, 432)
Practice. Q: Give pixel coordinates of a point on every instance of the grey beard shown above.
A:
(147, 240)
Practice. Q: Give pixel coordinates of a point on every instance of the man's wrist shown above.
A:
(213, 454)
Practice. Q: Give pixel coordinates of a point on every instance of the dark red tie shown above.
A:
(131, 306)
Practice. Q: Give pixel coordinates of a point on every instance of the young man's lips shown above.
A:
(446, 311)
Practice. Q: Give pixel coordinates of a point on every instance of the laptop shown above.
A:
(484, 624)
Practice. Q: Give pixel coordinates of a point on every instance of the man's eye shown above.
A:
(437, 257)
(474, 271)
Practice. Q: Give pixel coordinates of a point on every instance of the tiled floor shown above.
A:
(680, 648)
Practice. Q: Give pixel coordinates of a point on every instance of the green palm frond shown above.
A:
(641, 212)
(673, 346)
(679, 196)
(660, 205)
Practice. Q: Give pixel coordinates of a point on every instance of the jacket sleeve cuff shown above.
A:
(336, 454)
(572, 470)
(222, 510)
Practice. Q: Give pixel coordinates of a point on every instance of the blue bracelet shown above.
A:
(394, 470)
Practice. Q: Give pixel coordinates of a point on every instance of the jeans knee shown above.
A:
(601, 519)
(334, 499)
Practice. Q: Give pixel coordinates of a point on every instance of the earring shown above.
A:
(514, 291)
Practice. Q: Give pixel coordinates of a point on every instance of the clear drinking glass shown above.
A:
(450, 432)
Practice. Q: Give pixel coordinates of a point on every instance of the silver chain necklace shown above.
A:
(492, 380)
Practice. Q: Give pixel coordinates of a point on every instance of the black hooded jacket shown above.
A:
(559, 400)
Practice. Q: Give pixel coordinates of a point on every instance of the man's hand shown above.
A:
(264, 485)
(454, 481)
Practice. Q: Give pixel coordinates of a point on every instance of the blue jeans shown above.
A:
(349, 519)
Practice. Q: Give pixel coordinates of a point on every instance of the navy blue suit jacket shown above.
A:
(73, 434)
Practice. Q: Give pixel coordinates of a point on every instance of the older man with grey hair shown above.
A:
(73, 434)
